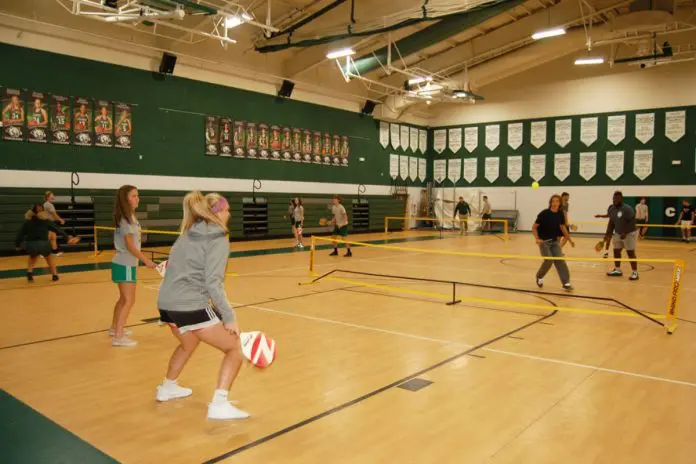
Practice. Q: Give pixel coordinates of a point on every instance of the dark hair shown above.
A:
(299, 201)
(122, 209)
(293, 201)
(461, 198)
(337, 197)
(33, 213)
(555, 195)
(485, 197)
(565, 194)
(618, 192)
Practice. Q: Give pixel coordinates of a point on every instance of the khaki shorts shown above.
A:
(685, 224)
(628, 243)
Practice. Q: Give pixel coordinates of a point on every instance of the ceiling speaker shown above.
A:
(286, 89)
(167, 64)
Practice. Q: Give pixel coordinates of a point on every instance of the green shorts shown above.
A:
(342, 231)
(122, 274)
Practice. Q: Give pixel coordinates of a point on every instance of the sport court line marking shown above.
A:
(492, 350)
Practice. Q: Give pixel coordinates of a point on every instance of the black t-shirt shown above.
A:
(550, 224)
(687, 211)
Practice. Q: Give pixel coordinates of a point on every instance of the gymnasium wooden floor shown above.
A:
(512, 380)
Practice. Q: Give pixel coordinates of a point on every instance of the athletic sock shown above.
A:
(169, 383)
(220, 396)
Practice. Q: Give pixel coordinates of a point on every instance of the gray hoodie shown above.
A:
(196, 272)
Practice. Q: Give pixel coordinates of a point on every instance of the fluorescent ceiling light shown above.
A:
(236, 20)
(594, 60)
(548, 33)
(340, 53)
(428, 93)
(419, 80)
(460, 94)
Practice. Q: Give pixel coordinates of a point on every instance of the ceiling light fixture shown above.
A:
(589, 60)
(419, 80)
(548, 33)
(340, 53)
(236, 20)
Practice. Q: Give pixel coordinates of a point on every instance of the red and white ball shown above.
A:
(258, 348)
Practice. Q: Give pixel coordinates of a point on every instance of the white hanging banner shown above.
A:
(383, 134)
(454, 139)
(394, 166)
(675, 125)
(492, 168)
(492, 136)
(413, 168)
(405, 134)
(515, 135)
(561, 166)
(615, 164)
(403, 167)
(422, 167)
(439, 170)
(454, 169)
(422, 140)
(616, 128)
(414, 139)
(514, 168)
(588, 130)
(537, 167)
(564, 132)
(645, 126)
(642, 163)
(470, 138)
(588, 165)
(440, 140)
(470, 169)
(394, 128)
(538, 133)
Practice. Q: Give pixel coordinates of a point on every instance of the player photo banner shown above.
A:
(326, 149)
(345, 150)
(37, 119)
(276, 142)
(306, 146)
(211, 135)
(239, 139)
(82, 122)
(103, 124)
(60, 119)
(13, 114)
(124, 125)
(297, 145)
(226, 131)
(316, 147)
(252, 140)
(264, 140)
(336, 150)
(286, 144)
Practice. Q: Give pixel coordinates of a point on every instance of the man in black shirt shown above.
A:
(686, 219)
(623, 232)
(464, 211)
(549, 226)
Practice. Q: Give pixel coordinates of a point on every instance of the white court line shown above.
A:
(464, 345)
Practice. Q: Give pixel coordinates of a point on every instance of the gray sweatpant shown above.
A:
(553, 248)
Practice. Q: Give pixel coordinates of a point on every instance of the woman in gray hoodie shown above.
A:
(193, 302)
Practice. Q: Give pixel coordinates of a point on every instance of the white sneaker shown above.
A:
(172, 392)
(225, 411)
(126, 332)
(300, 246)
(123, 341)
(60, 253)
(539, 282)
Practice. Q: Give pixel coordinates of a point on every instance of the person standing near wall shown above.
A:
(622, 230)
(52, 214)
(642, 215)
(686, 219)
(298, 215)
(340, 223)
(486, 214)
(291, 218)
(548, 228)
(464, 210)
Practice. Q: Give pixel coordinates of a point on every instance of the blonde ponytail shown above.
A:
(200, 208)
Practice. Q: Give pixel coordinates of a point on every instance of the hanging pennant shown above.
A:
(413, 168)
(454, 169)
(395, 135)
(394, 165)
(470, 169)
(403, 167)
(589, 127)
(645, 126)
(470, 138)
(286, 144)
(383, 134)
(675, 125)
(422, 141)
(538, 137)
(514, 168)
(564, 132)
(439, 170)
(642, 163)
(454, 139)
(264, 141)
(440, 140)
(537, 167)
(561, 166)
(37, 120)
(515, 135)
(422, 166)
(615, 164)
(414, 139)
(239, 139)
(405, 134)
(616, 128)
(226, 136)
(492, 169)
(492, 136)
(588, 165)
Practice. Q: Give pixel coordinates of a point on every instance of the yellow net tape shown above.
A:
(111, 229)
(406, 219)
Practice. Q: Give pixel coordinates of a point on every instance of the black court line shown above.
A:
(65, 337)
(476, 355)
(516, 338)
(371, 394)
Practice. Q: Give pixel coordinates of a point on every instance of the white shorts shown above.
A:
(685, 224)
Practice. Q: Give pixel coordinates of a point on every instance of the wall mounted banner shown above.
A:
(538, 137)
(615, 164)
(285, 143)
(104, 124)
(13, 114)
(492, 136)
(239, 141)
(345, 150)
(413, 168)
(317, 144)
(61, 121)
(414, 139)
(564, 132)
(616, 128)
(515, 135)
(454, 169)
(252, 140)
(440, 140)
(588, 130)
(226, 136)
(588, 165)
(642, 163)
(645, 126)
(514, 168)
(492, 168)
(297, 145)
(394, 165)
(471, 138)
(537, 167)
(276, 142)
(403, 167)
(405, 135)
(439, 170)
(326, 149)
(37, 118)
(395, 131)
(470, 169)
(383, 134)
(336, 150)
(454, 139)
(423, 140)
(82, 122)
(675, 125)
(561, 166)
(422, 169)
(265, 141)
(307, 146)
(211, 135)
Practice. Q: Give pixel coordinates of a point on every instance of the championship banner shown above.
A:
(104, 124)
(124, 125)
(326, 148)
(226, 136)
(82, 122)
(297, 145)
(336, 150)
(276, 142)
(316, 147)
(345, 150)
(211, 135)
(239, 139)
(37, 119)
(13, 114)
(60, 120)
(286, 144)
(251, 140)
(264, 141)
